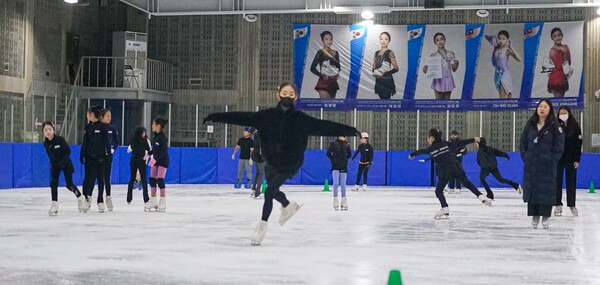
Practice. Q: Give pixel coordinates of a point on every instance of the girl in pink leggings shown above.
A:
(159, 164)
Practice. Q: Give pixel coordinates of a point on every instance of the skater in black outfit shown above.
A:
(486, 158)
(113, 137)
(259, 165)
(284, 133)
(447, 167)
(454, 184)
(94, 151)
(58, 152)
(542, 143)
(569, 161)
(366, 160)
(137, 163)
(338, 153)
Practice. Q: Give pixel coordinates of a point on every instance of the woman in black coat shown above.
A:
(338, 153)
(542, 143)
(569, 161)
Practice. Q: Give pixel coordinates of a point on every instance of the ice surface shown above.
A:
(203, 238)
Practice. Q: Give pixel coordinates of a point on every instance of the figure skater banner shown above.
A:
(438, 67)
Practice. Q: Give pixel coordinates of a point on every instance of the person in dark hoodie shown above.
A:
(569, 162)
(94, 151)
(542, 143)
(366, 160)
(447, 168)
(113, 137)
(259, 166)
(486, 158)
(140, 147)
(159, 164)
(338, 153)
(58, 152)
(454, 184)
(283, 132)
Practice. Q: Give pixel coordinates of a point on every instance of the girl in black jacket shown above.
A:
(366, 160)
(339, 153)
(140, 147)
(113, 137)
(447, 168)
(486, 158)
(569, 161)
(159, 164)
(259, 166)
(58, 152)
(284, 133)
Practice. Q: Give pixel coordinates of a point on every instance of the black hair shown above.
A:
(454, 133)
(557, 29)
(48, 123)
(572, 123)
(138, 132)
(323, 34)
(104, 111)
(162, 122)
(435, 133)
(96, 110)
(284, 84)
(387, 34)
(503, 32)
(551, 116)
(438, 34)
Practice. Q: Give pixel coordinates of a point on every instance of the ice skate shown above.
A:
(53, 209)
(558, 210)
(457, 191)
(451, 191)
(259, 233)
(139, 186)
(248, 184)
(446, 190)
(535, 221)
(80, 203)
(288, 212)
(151, 205)
(574, 211)
(545, 222)
(162, 204)
(443, 213)
(344, 204)
(355, 188)
(109, 203)
(485, 200)
(253, 196)
(135, 185)
(336, 203)
(237, 185)
(101, 207)
(364, 188)
(87, 204)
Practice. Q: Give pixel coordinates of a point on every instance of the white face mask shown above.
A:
(563, 117)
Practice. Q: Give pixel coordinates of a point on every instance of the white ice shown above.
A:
(203, 238)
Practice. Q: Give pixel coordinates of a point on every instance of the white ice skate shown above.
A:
(535, 221)
(336, 203)
(520, 190)
(545, 222)
(109, 203)
(53, 209)
(259, 233)
(87, 204)
(443, 213)
(288, 212)
(485, 200)
(451, 191)
(253, 196)
(364, 188)
(457, 191)
(355, 188)
(162, 204)
(80, 203)
(101, 207)
(151, 205)
(558, 210)
(574, 211)
(344, 205)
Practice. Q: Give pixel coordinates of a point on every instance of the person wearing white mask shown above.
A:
(569, 161)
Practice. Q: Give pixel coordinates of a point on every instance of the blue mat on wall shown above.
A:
(6, 168)
(405, 172)
(198, 165)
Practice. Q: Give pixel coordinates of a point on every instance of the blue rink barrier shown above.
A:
(27, 165)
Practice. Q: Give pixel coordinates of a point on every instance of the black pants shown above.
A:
(134, 166)
(107, 173)
(571, 176)
(453, 182)
(445, 174)
(496, 173)
(274, 179)
(94, 171)
(363, 170)
(534, 209)
(259, 175)
(55, 174)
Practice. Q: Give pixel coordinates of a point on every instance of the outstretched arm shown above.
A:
(500, 153)
(236, 118)
(462, 143)
(316, 127)
(419, 152)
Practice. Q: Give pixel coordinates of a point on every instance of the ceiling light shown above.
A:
(483, 13)
(367, 14)
(72, 1)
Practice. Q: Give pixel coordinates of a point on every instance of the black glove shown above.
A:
(207, 119)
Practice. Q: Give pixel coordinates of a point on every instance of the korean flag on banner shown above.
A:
(413, 34)
(531, 31)
(299, 33)
(358, 33)
(472, 33)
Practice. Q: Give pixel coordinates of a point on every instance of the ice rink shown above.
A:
(203, 238)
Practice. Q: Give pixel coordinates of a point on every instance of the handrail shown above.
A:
(66, 127)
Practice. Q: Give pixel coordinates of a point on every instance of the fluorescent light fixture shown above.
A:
(72, 1)
(367, 15)
(360, 10)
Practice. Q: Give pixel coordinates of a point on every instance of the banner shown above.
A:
(438, 67)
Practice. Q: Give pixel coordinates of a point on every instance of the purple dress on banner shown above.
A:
(446, 83)
(502, 76)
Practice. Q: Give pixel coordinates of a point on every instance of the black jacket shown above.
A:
(441, 152)
(541, 151)
(160, 149)
(573, 141)
(339, 152)
(58, 152)
(257, 152)
(113, 137)
(139, 146)
(486, 156)
(459, 151)
(283, 133)
(96, 143)
(366, 153)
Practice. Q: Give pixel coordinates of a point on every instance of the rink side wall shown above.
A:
(26, 165)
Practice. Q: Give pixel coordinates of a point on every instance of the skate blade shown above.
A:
(535, 227)
(444, 217)
(52, 214)
(344, 209)
(557, 214)
(296, 211)
(545, 227)
(255, 243)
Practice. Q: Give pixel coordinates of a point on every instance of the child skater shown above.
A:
(94, 151)
(447, 167)
(137, 163)
(366, 160)
(113, 137)
(284, 133)
(58, 152)
(460, 152)
(339, 152)
(159, 164)
(259, 166)
(486, 158)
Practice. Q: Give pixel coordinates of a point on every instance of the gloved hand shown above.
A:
(129, 149)
(233, 156)
(112, 151)
(251, 162)
(207, 119)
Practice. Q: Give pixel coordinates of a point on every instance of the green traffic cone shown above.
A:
(592, 188)
(326, 186)
(264, 186)
(395, 278)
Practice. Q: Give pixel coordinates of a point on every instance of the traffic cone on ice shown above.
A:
(326, 186)
(264, 187)
(395, 278)
(592, 188)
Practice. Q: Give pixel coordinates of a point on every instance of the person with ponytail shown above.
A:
(159, 164)
(113, 137)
